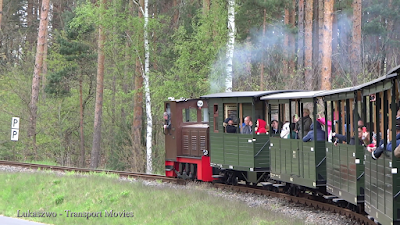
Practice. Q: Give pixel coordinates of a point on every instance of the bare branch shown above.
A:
(140, 7)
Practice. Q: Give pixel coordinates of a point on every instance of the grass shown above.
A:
(47, 192)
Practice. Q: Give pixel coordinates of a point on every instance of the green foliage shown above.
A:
(59, 199)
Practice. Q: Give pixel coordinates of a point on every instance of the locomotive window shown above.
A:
(189, 115)
(204, 115)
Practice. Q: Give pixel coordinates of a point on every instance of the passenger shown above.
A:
(377, 152)
(322, 121)
(310, 134)
(397, 152)
(229, 127)
(260, 129)
(274, 127)
(247, 127)
(352, 139)
(167, 121)
(304, 123)
(285, 130)
(398, 114)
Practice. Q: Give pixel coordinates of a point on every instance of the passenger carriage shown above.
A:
(292, 160)
(343, 108)
(382, 180)
(240, 156)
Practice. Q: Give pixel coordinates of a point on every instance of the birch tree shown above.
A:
(149, 130)
(95, 155)
(37, 70)
(230, 45)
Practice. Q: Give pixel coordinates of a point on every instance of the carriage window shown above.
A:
(216, 118)
(204, 115)
(230, 111)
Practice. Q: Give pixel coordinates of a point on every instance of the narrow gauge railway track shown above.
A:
(87, 170)
(305, 200)
(308, 200)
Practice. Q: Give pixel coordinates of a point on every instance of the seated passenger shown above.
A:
(310, 134)
(248, 124)
(274, 127)
(352, 139)
(322, 121)
(229, 127)
(377, 152)
(285, 130)
(397, 152)
(304, 123)
(260, 129)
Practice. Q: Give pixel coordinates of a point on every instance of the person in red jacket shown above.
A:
(260, 129)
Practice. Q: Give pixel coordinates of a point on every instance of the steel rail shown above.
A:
(88, 170)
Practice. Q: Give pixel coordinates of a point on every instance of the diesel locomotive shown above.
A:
(335, 157)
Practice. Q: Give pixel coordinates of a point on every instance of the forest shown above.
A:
(88, 78)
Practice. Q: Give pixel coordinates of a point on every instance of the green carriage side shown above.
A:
(345, 162)
(292, 160)
(248, 153)
(382, 181)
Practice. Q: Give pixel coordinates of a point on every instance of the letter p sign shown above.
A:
(14, 128)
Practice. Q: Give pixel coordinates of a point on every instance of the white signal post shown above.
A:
(14, 128)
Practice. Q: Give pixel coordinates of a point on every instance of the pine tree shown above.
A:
(327, 46)
(95, 155)
(37, 71)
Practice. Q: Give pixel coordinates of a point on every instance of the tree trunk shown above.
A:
(1, 12)
(37, 70)
(230, 46)
(137, 163)
(285, 44)
(300, 48)
(149, 134)
(292, 42)
(31, 15)
(82, 142)
(308, 64)
(95, 155)
(262, 85)
(390, 49)
(321, 28)
(315, 43)
(327, 46)
(44, 69)
(176, 12)
(206, 6)
(356, 42)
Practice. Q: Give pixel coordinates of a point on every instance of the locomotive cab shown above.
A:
(186, 139)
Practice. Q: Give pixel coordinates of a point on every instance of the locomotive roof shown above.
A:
(236, 94)
(292, 95)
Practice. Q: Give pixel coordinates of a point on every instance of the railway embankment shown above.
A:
(55, 197)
